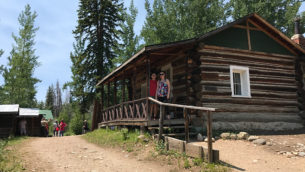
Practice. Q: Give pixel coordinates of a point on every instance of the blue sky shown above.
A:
(56, 20)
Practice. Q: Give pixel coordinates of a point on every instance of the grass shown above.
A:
(115, 138)
(9, 162)
(129, 141)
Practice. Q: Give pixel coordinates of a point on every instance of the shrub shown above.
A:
(76, 124)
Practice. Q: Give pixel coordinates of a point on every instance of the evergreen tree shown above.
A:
(79, 86)
(50, 99)
(19, 82)
(98, 22)
(280, 13)
(169, 21)
(58, 101)
(129, 41)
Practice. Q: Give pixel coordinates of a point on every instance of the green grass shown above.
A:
(9, 162)
(114, 138)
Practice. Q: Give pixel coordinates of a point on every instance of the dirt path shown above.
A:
(246, 156)
(74, 154)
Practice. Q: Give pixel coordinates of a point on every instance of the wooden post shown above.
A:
(134, 89)
(32, 134)
(161, 123)
(147, 85)
(108, 94)
(123, 91)
(186, 125)
(115, 93)
(123, 96)
(209, 135)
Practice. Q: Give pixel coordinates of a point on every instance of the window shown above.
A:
(240, 81)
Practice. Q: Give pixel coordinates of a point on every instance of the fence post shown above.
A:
(209, 134)
(160, 123)
(186, 125)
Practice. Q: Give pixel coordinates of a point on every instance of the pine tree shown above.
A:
(50, 99)
(169, 21)
(129, 41)
(280, 13)
(58, 101)
(98, 22)
(19, 83)
(78, 85)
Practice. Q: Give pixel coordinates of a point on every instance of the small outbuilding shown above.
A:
(33, 121)
(8, 115)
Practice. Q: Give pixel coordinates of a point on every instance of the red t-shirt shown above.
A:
(153, 87)
(62, 126)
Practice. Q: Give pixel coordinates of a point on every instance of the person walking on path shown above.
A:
(85, 127)
(55, 128)
(62, 126)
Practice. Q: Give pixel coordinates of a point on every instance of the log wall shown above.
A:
(274, 101)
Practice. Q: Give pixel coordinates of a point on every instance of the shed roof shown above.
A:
(47, 114)
(28, 112)
(186, 44)
(9, 108)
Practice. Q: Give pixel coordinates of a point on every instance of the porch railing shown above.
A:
(138, 110)
(186, 122)
(130, 110)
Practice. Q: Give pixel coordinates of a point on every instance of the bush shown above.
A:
(76, 124)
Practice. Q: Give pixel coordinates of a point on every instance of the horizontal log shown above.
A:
(245, 62)
(272, 87)
(245, 56)
(252, 70)
(255, 94)
(229, 107)
(256, 117)
(248, 101)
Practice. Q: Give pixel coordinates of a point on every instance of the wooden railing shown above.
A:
(186, 122)
(138, 110)
(130, 110)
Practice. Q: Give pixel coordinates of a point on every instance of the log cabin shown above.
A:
(248, 70)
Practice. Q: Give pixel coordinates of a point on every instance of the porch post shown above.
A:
(147, 85)
(108, 94)
(134, 90)
(123, 96)
(115, 92)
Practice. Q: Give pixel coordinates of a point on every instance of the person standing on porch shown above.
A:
(163, 88)
(152, 93)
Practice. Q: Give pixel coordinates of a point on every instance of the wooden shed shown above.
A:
(33, 119)
(248, 70)
(8, 115)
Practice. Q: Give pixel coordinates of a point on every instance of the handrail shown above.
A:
(181, 106)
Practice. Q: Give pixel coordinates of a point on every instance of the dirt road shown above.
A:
(72, 153)
(246, 156)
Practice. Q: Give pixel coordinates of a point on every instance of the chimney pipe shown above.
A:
(297, 25)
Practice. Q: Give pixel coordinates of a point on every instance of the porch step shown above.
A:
(167, 127)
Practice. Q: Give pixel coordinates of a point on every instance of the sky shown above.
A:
(56, 20)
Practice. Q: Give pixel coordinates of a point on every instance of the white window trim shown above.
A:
(240, 68)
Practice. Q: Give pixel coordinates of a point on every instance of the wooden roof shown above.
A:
(153, 51)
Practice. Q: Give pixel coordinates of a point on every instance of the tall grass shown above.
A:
(9, 162)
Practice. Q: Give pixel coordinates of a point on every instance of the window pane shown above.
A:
(237, 83)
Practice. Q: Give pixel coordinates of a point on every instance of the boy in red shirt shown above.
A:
(62, 126)
(152, 93)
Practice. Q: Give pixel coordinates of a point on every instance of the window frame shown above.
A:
(244, 81)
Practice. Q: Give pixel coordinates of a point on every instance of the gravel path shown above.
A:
(72, 153)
